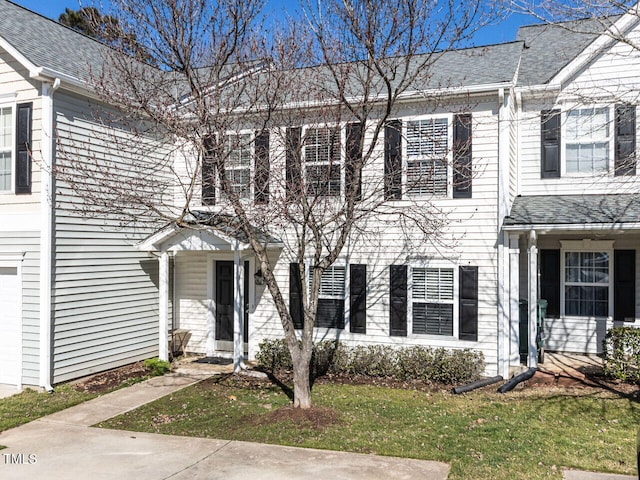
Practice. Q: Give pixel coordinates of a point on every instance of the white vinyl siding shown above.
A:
(427, 157)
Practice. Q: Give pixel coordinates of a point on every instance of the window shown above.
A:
(586, 284)
(587, 140)
(432, 301)
(331, 297)
(6, 148)
(427, 157)
(322, 161)
(238, 155)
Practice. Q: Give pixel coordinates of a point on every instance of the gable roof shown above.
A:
(48, 45)
(547, 210)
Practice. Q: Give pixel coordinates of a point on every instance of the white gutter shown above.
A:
(46, 233)
(577, 227)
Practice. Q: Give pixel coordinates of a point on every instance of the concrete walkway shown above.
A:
(65, 446)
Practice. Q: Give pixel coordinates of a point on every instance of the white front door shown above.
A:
(10, 324)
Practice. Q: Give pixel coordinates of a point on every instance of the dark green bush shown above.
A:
(410, 363)
(621, 358)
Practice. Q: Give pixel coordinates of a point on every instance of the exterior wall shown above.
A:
(193, 297)
(469, 238)
(612, 77)
(20, 217)
(105, 291)
(585, 334)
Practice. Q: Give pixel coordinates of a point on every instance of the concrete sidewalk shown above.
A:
(64, 446)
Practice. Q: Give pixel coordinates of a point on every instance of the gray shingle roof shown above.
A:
(228, 225)
(46, 43)
(550, 47)
(574, 210)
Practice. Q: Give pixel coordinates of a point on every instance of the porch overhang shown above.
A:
(203, 231)
(616, 213)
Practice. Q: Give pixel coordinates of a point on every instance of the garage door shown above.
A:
(9, 327)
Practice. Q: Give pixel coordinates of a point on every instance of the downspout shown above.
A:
(46, 234)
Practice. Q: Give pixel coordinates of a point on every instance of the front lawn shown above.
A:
(527, 434)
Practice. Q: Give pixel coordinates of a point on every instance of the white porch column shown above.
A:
(238, 324)
(533, 299)
(163, 332)
(503, 306)
(514, 301)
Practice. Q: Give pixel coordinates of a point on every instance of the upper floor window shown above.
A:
(245, 157)
(427, 157)
(238, 152)
(587, 140)
(6, 148)
(322, 161)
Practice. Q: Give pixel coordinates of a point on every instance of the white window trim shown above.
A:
(586, 245)
(563, 140)
(456, 303)
(252, 163)
(347, 283)
(342, 155)
(449, 157)
(12, 105)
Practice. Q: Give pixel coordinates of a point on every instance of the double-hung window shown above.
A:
(331, 297)
(587, 140)
(6, 148)
(238, 155)
(427, 157)
(586, 283)
(322, 161)
(433, 300)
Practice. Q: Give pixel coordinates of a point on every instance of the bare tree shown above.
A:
(218, 75)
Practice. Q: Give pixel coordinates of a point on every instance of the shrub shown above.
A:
(621, 358)
(157, 367)
(410, 363)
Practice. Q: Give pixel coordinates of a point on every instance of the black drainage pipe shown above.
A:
(516, 380)
(477, 384)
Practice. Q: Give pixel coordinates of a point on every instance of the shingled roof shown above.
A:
(550, 47)
(574, 209)
(48, 44)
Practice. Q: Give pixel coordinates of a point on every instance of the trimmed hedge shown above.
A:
(408, 363)
(621, 357)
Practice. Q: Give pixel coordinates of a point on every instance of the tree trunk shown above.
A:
(301, 385)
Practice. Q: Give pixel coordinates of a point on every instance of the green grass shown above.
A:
(31, 404)
(528, 434)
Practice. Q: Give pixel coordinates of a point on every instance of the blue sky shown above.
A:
(504, 32)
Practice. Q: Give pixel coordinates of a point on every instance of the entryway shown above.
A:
(224, 295)
(10, 324)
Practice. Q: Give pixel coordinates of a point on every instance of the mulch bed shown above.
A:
(106, 381)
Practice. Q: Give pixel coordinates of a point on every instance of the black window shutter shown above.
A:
(358, 298)
(625, 160)
(293, 166)
(23, 148)
(462, 160)
(393, 160)
(624, 285)
(208, 173)
(549, 260)
(468, 303)
(550, 143)
(295, 296)
(398, 301)
(354, 155)
(261, 175)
